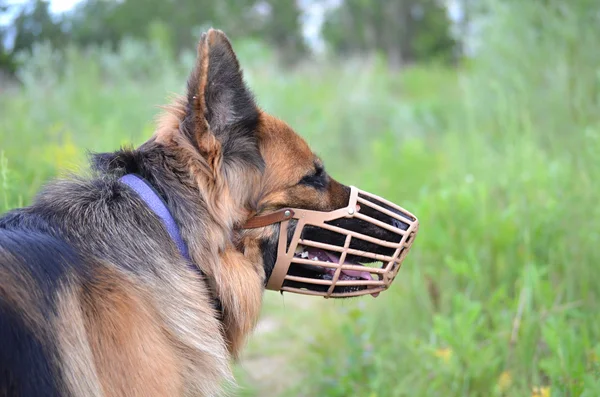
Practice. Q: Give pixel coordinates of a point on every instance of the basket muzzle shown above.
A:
(311, 267)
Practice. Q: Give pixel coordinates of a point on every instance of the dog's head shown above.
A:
(250, 164)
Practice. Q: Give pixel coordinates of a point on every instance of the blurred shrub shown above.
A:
(497, 296)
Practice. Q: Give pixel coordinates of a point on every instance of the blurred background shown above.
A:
(480, 116)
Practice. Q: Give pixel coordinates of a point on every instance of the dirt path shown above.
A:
(266, 364)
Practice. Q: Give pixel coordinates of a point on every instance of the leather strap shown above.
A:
(269, 219)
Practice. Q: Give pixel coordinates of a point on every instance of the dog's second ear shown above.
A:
(218, 101)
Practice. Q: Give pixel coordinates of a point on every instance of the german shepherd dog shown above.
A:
(96, 299)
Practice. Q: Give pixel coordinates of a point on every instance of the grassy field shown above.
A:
(498, 158)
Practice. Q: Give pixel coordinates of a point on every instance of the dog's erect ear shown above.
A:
(218, 100)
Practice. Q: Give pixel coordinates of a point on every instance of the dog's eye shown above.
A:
(317, 179)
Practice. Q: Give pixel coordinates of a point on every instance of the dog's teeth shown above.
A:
(304, 254)
(315, 258)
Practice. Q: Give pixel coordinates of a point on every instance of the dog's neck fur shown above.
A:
(157, 204)
(239, 270)
(206, 161)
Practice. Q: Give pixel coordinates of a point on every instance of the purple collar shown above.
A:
(158, 206)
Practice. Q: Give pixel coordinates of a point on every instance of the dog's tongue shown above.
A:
(330, 257)
(352, 273)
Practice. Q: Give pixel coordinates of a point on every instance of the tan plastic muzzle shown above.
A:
(381, 276)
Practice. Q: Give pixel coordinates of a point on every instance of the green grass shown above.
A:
(498, 159)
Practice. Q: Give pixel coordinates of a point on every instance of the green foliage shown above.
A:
(7, 190)
(499, 296)
(404, 30)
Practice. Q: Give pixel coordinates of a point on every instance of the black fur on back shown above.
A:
(28, 363)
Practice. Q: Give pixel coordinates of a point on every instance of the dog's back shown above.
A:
(75, 320)
(33, 266)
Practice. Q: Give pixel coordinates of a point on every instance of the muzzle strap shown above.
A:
(269, 219)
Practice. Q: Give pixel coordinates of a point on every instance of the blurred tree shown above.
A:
(90, 23)
(277, 22)
(283, 29)
(476, 14)
(7, 64)
(405, 30)
(34, 23)
(101, 21)
(109, 21)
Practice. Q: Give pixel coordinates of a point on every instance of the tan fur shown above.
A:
(76, 357)
(139, 346)
(237, 281)
(121, 323)
(240, 287)
(289, 158)
(167, 123)
(20, 292)
(203, 47)
(287, 155)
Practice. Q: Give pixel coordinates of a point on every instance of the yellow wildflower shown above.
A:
(445, 354)
(65, 155)
(504, 381)
(541, 391)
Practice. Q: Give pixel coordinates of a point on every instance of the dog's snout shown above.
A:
(385, 217)
(399, 224)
